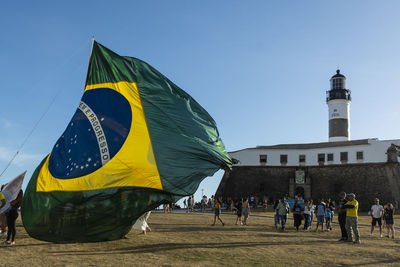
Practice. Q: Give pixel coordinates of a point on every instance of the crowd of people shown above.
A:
(241, 209)
(304, 212)
(205, 203)
(347, 210)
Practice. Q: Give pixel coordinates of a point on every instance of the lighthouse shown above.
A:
(338, 99)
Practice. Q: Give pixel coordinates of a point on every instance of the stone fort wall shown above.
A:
(367, 181)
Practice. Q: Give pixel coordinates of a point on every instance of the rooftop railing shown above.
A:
(338, 94)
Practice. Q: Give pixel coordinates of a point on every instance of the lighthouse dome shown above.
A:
(338, 75)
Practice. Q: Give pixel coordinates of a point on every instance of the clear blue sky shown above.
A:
(260, 68)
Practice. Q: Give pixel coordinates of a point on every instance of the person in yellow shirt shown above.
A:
(351, 208)
(3, 217)
(217, 212)
(2, 199)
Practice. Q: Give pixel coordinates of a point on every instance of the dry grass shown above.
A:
(189, 240)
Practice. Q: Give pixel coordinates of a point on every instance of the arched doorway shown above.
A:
(299, 191)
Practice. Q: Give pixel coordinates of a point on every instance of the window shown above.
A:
(343, 156)
(330, 156)
(337, 83)
(321, 157)
(360, 155)
(263, 159)
(283, 159)
(302, 158)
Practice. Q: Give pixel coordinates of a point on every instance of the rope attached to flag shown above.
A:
(84, 46)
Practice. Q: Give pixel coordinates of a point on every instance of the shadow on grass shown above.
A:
(377, 262)
(265, 231)
(4, 246)
(218, 228)
(165, 247)
(162, 247)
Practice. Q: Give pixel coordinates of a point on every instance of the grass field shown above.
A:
(189, 240)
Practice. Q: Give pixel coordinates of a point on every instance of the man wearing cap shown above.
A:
(351, 207)
(342, 215)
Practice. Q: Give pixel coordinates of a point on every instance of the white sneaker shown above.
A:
(381, 235)
(370, 234)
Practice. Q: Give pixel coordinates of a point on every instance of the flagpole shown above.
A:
(90, 56)
(91, 47)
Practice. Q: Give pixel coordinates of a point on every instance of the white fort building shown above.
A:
(368, 167)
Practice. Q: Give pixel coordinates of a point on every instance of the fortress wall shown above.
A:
(248, 180)
(367, 181)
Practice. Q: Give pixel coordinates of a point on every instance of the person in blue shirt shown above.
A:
(320, 210)
(330, 207)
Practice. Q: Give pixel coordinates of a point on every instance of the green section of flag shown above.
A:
(185, 138)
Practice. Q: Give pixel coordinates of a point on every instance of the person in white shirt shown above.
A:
(376, 214)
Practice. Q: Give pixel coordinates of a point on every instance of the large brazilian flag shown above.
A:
(136, 141)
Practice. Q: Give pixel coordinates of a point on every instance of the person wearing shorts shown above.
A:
(320, 210)
(245, 211)
(329, 212)
(376, 215)
(389, 220)
(217, 212)
(320, 220)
